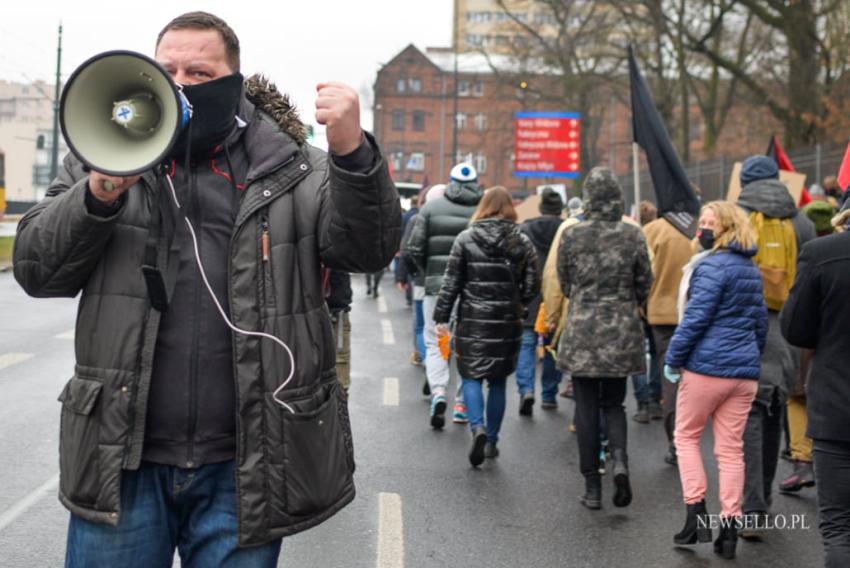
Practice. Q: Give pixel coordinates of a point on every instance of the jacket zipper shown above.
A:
(196, 328)
(267, 292)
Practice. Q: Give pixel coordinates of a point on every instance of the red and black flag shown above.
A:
(677, 201)
(775, 151)
(844, 171)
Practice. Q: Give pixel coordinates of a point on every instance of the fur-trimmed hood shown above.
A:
(263, 94)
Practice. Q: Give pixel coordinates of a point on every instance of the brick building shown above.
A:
(414, 118)
(414, 114)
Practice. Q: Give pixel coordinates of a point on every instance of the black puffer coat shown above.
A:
(493, 270)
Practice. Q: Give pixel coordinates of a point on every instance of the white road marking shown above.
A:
(382, 305)
(389, 336)
(22, 506)
(10, 359)
(390, 531)
(391, 391)
(66, 335)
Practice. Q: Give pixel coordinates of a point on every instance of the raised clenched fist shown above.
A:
(338, 109)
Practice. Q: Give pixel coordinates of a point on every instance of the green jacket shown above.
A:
(293, 471)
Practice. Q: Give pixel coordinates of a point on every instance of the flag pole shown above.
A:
(636, 174)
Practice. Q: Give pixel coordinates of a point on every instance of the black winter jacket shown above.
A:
(407, 268)
(493, 270)
(816, 316)
(293, 471)
(541, 231)
(437, 225)
(338, 290)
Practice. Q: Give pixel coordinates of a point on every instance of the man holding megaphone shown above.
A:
(204, 413)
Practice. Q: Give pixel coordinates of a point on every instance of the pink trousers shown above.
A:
(727, 402)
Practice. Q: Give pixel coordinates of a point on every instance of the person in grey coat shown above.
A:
(764, 192)
(605, 273)
(176, 431)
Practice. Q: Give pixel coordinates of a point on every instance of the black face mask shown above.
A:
(706, 239)
(214, 106)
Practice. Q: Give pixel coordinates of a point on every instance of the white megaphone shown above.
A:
(121, 113)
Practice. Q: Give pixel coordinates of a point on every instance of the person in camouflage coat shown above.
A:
(604, 271)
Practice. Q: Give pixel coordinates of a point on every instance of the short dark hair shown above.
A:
(207, 21)
(647, 212)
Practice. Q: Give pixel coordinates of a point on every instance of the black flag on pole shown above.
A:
(677, 201)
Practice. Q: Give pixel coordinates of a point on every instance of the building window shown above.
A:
(401, 85)
(478, 89)
(463, 88)
(695, 129)
(460, 157)
(419, 120)
(481, 121)
(461, 120)
(415, 85)
(416, 163)
(480, 163)
(395, 159)
(398, 120)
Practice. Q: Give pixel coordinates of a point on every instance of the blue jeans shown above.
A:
(473, 395)
(527, 365)
(166, 507)
(647, 391)
(419, 329)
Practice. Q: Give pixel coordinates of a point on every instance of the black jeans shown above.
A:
(662, 334)
(591, 395)
(761, 453)
(832, 472)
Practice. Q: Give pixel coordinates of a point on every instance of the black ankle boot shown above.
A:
(696, 527)
(728, 540)
(592, 498)
(620, 468)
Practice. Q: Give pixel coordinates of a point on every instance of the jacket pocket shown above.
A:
(78, 441)
(317, 464)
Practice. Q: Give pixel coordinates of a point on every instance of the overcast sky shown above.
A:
(296, 43)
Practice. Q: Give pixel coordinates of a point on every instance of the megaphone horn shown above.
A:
(121, 113)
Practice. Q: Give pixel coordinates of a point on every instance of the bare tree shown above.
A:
(802, 66)
(578, 58)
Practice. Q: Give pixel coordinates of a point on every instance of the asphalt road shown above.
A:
(419, 503)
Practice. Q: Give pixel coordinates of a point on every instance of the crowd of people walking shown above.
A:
(739, 327)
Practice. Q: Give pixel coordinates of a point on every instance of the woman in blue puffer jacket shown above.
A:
(716, 352)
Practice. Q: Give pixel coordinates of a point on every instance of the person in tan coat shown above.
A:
(670, 250)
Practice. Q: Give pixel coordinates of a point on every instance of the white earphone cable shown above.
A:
(224, 315)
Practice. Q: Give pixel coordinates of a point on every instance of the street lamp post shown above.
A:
(54, 158)
(523, 86)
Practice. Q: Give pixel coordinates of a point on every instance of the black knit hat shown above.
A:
(550, 202)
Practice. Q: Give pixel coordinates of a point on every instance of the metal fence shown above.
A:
(712, 176)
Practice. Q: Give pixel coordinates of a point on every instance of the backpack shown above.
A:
(776, 257)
